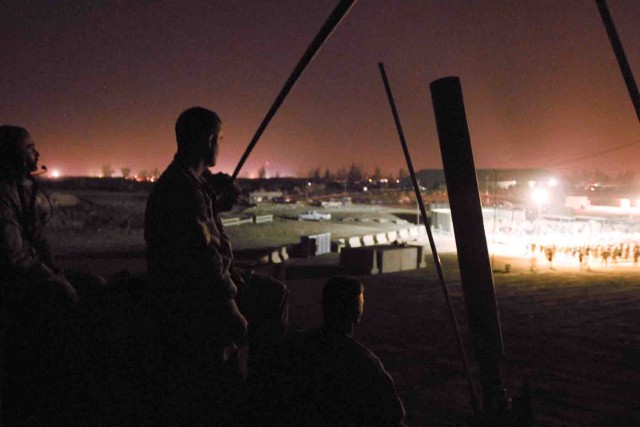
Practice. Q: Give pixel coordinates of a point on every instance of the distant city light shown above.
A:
(55, 173)
(552, 182)
(625, 203)
(365, 189)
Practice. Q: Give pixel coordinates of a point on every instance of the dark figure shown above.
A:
(42, 336)
(207, 304)
(549, 253)
(330, 378)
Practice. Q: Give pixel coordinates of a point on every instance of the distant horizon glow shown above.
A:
(103, 84)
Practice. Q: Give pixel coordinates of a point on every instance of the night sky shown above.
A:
(102, 82)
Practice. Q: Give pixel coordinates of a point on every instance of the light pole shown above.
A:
(540, 196)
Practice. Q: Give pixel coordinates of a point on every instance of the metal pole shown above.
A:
(471, 241)
(616, 44)
(327, 28)
(434, 251)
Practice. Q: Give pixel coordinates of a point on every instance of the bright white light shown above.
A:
(552, 182)
(365, 189)
(540, 196)
(625, 203)
(56, 173)
(308, 184)
(532, 184)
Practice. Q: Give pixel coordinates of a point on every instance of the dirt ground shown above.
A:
(573, 334)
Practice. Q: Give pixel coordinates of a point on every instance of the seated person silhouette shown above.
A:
(329, 378)
(43, 339)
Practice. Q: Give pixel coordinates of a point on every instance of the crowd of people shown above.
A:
(586, 256)
(209, 313)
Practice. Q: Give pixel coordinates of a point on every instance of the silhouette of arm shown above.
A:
(385, 408)
(19, 258)
(182, 243)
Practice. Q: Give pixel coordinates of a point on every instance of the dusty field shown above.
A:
(572, 333)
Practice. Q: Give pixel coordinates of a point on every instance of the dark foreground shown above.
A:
(573, 334)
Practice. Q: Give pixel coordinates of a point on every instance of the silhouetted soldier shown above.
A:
(208, 305)
(331, 379)
(40, 340)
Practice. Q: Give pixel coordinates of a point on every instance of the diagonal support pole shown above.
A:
(330, 24)
(616, 44)
(434, 251)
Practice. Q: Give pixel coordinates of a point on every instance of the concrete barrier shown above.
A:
(368, 240)
(358, 261)
(381, 239)
(316, 244)
(259, 219)
(404, 234)
(392, 236)
(274, 256)
(284, 255)
(337, 245)
(421, 230)
(380, 259)
(245, 220)
(354, 242)
(397, 258)
(424, 252)
(413, 232)
(230, 221)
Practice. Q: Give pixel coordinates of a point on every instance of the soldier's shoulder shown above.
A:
(8, 190)
(173, 180)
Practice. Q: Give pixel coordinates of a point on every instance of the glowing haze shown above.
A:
(102, 82)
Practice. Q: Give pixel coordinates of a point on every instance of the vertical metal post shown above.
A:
(473, 255)
(432, 243)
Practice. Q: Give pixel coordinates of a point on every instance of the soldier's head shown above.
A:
(18, 154)
(342, 303)
(198, 134)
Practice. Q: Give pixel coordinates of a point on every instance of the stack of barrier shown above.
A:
(259, 219)
(230, 221)
(245, 220)
(354, 242)
(274, 256)
(392, 236)
(358, 261)
(368, 240)
(404, 234)
(338, 245)
(381, 239)
(397, 258)
(380, 259)
(317, 244)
